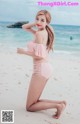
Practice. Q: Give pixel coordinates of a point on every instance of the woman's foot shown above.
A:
(60, 108)
(64, 102)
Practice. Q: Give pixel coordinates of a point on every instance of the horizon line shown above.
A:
(51, 23)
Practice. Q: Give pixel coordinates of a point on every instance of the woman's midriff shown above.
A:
(40, 60)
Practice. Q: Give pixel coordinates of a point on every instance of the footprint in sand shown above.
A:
(55, 79)
(6, 89)
(19, 82)
(27, 75)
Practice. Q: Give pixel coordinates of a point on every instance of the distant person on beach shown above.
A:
(39, 49)
(71, 37)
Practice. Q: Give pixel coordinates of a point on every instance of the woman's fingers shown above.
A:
(19, 50)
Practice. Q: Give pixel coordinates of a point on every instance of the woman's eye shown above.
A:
(37, 19)
(42, 20)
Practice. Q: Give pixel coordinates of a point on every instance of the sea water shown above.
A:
(67, 38)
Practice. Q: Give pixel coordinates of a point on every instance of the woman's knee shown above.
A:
(28, 108)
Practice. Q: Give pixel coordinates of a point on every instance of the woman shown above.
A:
(39, 49)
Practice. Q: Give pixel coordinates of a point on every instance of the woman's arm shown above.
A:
(28, 27)
(22, 51)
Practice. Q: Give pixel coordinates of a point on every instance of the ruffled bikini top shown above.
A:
(38, 49)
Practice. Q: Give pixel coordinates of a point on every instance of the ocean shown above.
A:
(67, 38)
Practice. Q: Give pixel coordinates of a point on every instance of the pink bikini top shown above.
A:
(38, 49)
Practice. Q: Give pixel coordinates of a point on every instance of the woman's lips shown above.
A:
(38, 25)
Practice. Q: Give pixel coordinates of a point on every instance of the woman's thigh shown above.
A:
(36, 87)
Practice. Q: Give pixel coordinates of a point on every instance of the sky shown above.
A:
(26, 10)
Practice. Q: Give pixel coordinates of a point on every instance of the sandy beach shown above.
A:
(15, 74)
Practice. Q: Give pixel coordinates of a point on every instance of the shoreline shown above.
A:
(13, 50)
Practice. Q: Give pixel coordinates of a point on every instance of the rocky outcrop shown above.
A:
(17, 24)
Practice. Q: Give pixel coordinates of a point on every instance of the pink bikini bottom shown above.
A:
(43, 68)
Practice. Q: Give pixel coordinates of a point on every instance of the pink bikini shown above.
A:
(40, 66)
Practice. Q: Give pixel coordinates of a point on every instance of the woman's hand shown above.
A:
(20, 50)
(29, 25)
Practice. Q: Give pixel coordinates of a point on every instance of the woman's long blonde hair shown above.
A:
(50, 32)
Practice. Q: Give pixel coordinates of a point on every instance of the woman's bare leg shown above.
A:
(58, 112)
(46, 105)
(53, 101)
(36, 87)
(43, 105)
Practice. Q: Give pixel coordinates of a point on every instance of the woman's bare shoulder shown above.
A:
(40, 33)
(38, 37)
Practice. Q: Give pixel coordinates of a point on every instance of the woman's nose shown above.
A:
(38, 24)
(38, 21)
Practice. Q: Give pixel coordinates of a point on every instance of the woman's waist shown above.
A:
(39, 60)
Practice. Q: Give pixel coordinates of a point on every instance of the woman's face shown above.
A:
(41, 22)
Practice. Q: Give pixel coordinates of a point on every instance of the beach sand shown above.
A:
(64, 84)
